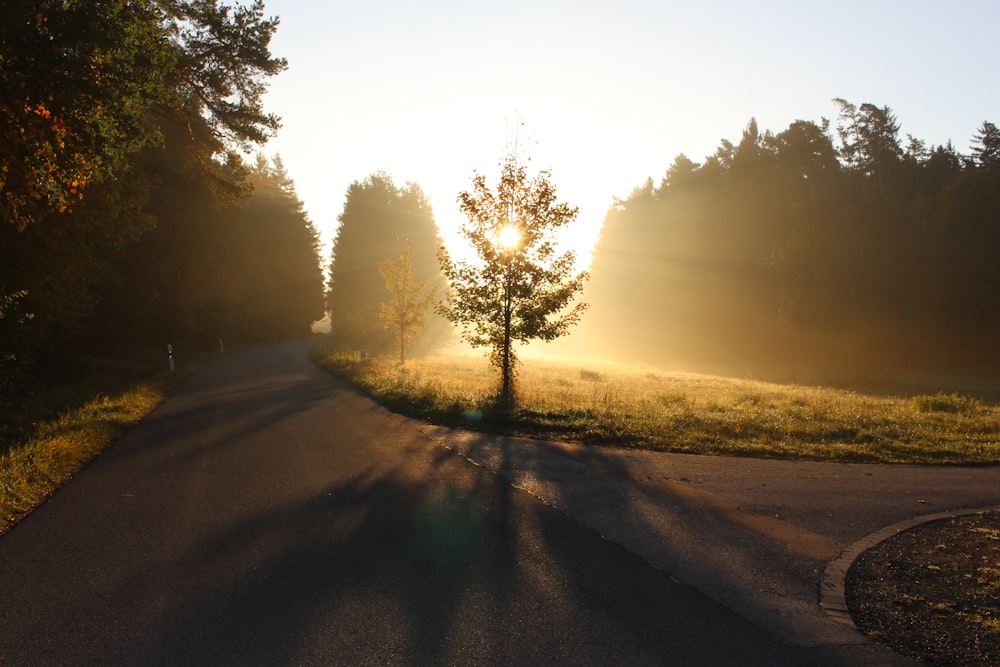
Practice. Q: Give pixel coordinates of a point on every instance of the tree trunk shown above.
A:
(507, 379)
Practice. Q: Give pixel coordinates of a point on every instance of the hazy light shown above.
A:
(508, 237)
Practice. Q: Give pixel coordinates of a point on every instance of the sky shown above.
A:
(602, 94)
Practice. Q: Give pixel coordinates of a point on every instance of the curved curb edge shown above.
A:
(832, 594)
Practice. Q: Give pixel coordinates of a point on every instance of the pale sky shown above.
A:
(609, 93)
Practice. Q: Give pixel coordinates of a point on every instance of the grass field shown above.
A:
(626, 406)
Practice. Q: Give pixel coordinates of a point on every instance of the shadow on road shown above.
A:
(269, 514)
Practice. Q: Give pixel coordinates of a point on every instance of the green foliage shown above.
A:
(942, 402)
(14, 335)
(63, 263)
(377, 217)
(405, 312)
(520, 289)
(120, 209)
(222, 66)
(87, 86)
(79, 80)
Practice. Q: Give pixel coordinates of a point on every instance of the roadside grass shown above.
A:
(50, 432)
(626, 406)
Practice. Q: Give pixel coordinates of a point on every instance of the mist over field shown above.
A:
(821, 250)
(810, 253)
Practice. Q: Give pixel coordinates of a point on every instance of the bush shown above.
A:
(942, 402)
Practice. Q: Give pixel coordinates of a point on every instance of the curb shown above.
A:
(832, 595)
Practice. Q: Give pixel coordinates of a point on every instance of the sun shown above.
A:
(508, 237)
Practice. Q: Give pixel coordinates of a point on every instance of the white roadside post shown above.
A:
(170, 355)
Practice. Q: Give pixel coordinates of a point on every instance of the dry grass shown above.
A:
(683, 412)
(55, 450)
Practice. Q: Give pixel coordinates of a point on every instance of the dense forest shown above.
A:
(809, 253)
(129, 215)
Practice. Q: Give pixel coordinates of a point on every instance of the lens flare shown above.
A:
(509, 237)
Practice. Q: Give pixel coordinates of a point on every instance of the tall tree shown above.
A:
(986, 145)
(239, 264)
(870, 146)
(520, 289)
(284, 280)
(89, 93)
(409, 301)
(222, 66)
(178, 280)
(85, 86)
(77, 81)
(377, 216)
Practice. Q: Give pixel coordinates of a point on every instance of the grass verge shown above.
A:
(55, 449)
(625, 406)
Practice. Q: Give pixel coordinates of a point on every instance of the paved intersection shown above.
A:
(268, 514)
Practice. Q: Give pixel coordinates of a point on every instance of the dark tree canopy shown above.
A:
(125, 217)
(986, 146)
(244, 267)
(78, 81)
(808, 253)
(86, 85)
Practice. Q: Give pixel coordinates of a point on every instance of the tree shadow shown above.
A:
(410, 556)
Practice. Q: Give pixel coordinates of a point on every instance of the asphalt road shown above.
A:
(267, 514)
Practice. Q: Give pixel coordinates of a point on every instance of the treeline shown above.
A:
(127, 215)
(822, 250)
(379, 222)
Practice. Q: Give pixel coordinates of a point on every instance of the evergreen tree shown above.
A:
(377, 217)
(107, 110)
(986, 146)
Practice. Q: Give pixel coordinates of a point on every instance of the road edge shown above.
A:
(832, 587)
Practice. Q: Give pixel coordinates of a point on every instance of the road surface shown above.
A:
(267, 514)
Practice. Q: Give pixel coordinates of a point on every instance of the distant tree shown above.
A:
(377, 215)
(986, 145)
(681, 173)
(233, 256)
(519, 290)
(806, 152)
(824, 253)
(409, 301)
(755, 153)
(282, 280)
(869, 137)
